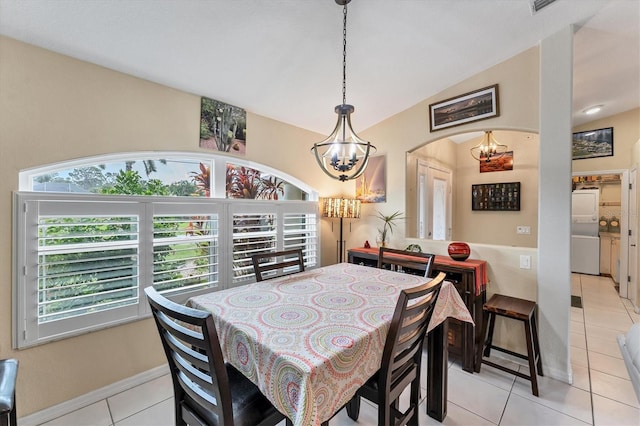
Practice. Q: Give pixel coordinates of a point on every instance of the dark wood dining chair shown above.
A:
(8, 377)
(396, 260)
(207, 391)
(277, 263)
(401, 358)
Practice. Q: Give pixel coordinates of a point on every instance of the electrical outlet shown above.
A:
(522, 229)
(525, 261)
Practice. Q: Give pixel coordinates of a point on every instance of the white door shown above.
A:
(633, 238)
(434, 202)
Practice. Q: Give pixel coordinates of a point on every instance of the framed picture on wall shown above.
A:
(500, 164)
(473, 106)
(496, 196)
(592, 144)
(371, 186)
(223, 127)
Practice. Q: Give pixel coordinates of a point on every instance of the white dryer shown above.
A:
(585, 240)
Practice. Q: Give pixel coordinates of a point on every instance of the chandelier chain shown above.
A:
(344, 55)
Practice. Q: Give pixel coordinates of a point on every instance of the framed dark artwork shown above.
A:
(500, 164)
(371, 186)
(473, 106)
(592, 144)
(223, 127)
(496, 196)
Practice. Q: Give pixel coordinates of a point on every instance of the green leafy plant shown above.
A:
(390, 221)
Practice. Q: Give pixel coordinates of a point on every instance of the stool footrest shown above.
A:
(506, 369)
(506, 351)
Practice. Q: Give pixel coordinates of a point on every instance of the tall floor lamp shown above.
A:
(341, 208)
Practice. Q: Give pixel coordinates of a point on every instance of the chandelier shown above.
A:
(343, 155)
(488, 149)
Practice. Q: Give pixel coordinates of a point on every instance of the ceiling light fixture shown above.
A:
(343, 155)
(488, 149)
(592, 110)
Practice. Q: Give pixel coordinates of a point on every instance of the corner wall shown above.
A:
(55, 108)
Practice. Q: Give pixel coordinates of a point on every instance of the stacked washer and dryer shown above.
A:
(585, 239)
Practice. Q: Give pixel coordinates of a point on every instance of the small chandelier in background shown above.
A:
(488, 149)
(343, 155)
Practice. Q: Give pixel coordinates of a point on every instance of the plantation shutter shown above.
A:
(185, 247)
(255, 230)
(86, 265)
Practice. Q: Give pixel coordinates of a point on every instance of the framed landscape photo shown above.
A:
(592, 144)
(500, 164)
(473, 106)
(371, 186)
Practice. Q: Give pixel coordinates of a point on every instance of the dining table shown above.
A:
(310, 340)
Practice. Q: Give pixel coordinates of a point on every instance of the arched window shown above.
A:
(167, 174)
(103, 228)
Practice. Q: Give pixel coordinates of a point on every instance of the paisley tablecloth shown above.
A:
(310, 340)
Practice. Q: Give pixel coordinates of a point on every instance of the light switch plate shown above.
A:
(525, 261)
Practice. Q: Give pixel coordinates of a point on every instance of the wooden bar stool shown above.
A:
(518, 309)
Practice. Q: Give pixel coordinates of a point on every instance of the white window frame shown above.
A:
(28, 205)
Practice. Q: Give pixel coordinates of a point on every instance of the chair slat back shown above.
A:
(191, 344)
(403, 347)
(277, 264)
(399, 260)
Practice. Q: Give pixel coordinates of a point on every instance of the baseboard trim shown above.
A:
(92, 397)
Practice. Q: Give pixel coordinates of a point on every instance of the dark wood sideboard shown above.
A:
(464, 340)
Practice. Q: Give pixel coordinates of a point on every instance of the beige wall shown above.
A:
(626, 132)
(486, 227)
(409, 130)
(497, 227)
(54, 108)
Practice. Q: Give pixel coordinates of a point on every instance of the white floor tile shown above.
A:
(579, 357)
(522, 411)
(577, 327)
(613, 387)
(161, 414)
(602, 332)
(608, 412)
(558, 396)
(484, 399)
(578, 340)
(95, 415)
(604, 345)
(368, 416)
(456, 416)
(608, 364)
(577, 314)
(581, 378)
(607, 319)
(141, 397)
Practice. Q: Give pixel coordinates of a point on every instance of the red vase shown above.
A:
(459, 250)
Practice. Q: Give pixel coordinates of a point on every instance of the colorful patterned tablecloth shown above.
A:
(310, 340)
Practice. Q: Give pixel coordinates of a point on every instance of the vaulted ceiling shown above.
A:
(283, 58)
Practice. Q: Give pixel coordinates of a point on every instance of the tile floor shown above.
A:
(600, 395)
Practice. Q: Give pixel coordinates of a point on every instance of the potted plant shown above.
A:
(387, 228)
